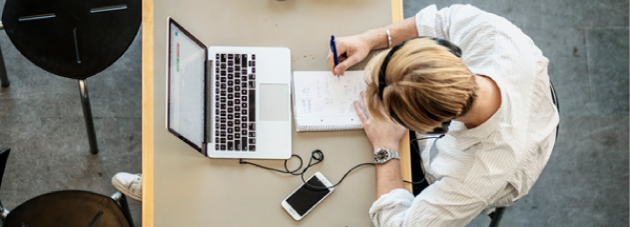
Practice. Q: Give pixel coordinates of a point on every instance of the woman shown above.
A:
(495, 92)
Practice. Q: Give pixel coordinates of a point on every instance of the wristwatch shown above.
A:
(383, 155)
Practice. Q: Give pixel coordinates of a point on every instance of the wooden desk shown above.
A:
(183, 188)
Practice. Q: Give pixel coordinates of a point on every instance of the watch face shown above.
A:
(381, 155)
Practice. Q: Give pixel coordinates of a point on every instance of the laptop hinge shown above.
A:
(209, 120)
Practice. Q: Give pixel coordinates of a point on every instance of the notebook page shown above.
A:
(323, 102)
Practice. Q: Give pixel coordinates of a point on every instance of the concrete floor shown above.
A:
(586, 180)
(41, 120)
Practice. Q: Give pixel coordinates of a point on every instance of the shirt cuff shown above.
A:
(391, 207)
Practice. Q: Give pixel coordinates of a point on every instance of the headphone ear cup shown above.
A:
(443, 129)
(446, 124)
(451, 47)
(438, 130)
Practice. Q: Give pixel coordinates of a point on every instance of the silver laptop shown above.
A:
(228, 102)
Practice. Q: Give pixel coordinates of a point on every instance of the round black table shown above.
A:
(73, 38)
(69, 208)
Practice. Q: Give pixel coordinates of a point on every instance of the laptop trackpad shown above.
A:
(274, 102)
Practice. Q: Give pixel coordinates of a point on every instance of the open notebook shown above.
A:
(323, 102)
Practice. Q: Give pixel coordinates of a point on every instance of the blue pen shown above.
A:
(333, 47)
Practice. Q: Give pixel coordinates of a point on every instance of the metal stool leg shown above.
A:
(496, 216)
(4, 214)
(4, 80)
(122, 200)
(87, 114)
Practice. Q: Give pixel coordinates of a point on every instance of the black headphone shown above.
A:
(381, 76)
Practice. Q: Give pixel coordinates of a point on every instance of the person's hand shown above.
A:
(385, 134)
(350, 51)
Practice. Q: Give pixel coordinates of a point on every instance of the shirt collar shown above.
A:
(468, 137)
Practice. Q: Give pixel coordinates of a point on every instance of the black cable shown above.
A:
(416, 182)
(334, 185)
(318, 155)
(412, 142)
(424, 138)
(292, 172)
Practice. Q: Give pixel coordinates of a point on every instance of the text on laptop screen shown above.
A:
(187, 78)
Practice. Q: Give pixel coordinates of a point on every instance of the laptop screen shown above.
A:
(187, 64)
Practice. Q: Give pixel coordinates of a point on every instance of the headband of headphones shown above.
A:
(381, 74)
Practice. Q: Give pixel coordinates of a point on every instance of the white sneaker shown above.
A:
(129, 184)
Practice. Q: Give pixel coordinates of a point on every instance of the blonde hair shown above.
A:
(426, 85)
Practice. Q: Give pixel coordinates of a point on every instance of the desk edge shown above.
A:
(405, 156)
(147, 114)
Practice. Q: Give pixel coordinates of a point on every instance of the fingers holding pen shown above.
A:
(341, 67)
(350, 51)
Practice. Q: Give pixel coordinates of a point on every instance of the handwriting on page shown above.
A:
(326, 95)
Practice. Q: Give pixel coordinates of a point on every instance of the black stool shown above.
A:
(66, 208)
(71, 38)
(71, 208)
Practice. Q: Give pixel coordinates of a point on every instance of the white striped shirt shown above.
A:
(497, 162)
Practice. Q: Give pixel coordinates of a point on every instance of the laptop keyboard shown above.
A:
(235, 115)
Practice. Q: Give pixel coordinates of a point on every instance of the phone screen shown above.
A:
(304, 198)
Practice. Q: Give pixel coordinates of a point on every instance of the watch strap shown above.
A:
(394, 154)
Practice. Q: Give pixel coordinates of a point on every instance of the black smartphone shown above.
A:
(303, 199)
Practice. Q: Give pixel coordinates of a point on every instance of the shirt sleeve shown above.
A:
(452, 200)
(464, 25)
(446, 202)
(486, 40)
